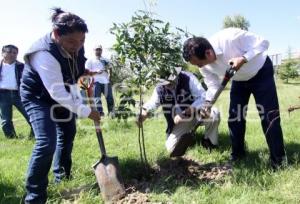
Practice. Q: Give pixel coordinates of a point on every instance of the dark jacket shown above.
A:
(32, 86)
(183, 98)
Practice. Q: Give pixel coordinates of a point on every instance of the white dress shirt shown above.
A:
(50, 73)
(96, 65)
(196, 89)
(230, 43)
(8, 77)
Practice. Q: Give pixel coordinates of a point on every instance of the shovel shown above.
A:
(107, 168)
(107, 173)
(230, 72)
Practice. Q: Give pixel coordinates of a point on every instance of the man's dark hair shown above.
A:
(195, 46)
(66, 22)
(9, 47)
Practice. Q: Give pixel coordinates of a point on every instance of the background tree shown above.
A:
(289, 68)
(148, 47)
(236, 21)
(120, 71)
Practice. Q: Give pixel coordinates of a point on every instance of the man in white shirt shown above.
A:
(181, 95)
(247, 52)
(10, 75)
(100, 69)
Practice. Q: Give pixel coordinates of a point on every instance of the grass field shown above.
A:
(251, 181)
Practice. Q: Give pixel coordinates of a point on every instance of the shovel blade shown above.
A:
(109, 179)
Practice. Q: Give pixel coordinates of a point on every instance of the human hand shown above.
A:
(205, 110)
(85, 82)
(237, 62)
(188, 111)
(141, 118)
(178, 118)
(95, 115)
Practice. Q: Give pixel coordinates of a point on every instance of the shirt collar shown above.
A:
(215, 44)
(217, 49)
(12, 64)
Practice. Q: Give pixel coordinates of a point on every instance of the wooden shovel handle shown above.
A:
(88, 86)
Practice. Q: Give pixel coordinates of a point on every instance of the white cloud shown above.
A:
(298, 18)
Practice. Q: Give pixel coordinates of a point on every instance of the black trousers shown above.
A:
(263, 88)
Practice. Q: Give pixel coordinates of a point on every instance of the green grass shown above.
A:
(252, 181)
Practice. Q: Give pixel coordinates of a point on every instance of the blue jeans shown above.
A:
(105, 89)
(54, 131)
(263, 88)
(9, 98)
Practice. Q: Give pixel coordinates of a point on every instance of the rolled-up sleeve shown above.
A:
(197, 92)
(153, 102)
(251, 44)
(212, 82)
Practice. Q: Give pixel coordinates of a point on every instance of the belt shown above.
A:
(7, 90)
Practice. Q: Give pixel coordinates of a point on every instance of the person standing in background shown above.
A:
(100, 69)
(10, 78)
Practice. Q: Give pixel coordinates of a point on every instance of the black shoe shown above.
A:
(12, 136)
(184, 142)
(69, 177)
(279, 164)
(63, 178)
(206, 143)
(235, 158)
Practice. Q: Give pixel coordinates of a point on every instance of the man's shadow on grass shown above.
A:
(168, 174)
(8, 194)
(171, 173)
(293, 152)
(254, 157)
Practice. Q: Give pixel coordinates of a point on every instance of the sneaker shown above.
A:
(12, 136)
